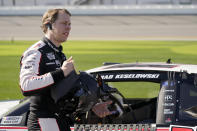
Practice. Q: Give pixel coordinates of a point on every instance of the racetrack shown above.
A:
(173, 27)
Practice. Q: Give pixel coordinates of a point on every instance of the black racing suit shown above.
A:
(40, 70)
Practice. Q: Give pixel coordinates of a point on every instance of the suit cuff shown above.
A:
(57, 75)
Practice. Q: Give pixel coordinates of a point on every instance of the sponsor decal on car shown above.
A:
(11, 120)
(182, 128)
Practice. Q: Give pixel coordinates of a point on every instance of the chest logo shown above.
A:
(50, 56)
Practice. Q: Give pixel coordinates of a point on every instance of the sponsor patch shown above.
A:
(168, 97)
(168, 111)
(27, 67)
(50, 56)
(168, 120)
(11, 120)
(168, 90)
(168, 104)
(50, 63)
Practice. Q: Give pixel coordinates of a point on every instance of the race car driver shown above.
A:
(43, 65)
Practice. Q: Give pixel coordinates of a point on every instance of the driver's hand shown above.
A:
(68, 66)
(101, 109)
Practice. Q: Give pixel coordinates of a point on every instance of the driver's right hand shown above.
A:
(68, 66)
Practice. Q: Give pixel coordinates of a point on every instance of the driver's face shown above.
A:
(61, 27)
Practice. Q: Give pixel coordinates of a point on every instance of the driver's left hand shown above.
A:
(101, 109)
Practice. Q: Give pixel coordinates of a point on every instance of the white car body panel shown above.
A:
(6, 105)
(148, 66)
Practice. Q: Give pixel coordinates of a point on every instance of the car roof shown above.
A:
(146, 66)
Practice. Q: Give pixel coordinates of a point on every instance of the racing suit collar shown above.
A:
(48, 42)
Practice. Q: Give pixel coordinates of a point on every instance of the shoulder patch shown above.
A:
(38, 45)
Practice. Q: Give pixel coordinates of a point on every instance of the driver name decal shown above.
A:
(107, 77)
(130, 76)
(136, 76)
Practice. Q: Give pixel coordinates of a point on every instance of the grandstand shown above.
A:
(91, 2)
(100, 7)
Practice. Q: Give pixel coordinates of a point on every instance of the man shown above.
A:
(43, 65)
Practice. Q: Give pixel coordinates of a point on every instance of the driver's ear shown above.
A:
(49, 26)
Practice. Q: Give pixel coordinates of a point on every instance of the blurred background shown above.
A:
(104, 19)
(92, 2)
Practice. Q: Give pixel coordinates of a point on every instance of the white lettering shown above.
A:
(168, 111)
(107, 77)
(168, 104)
(136, 76)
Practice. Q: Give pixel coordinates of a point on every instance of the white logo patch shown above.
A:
(50, 56)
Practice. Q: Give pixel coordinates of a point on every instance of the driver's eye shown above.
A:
(66, 24)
